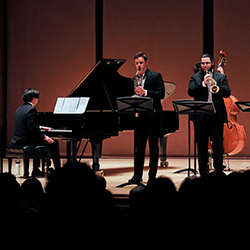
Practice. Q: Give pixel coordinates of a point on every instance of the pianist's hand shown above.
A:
(48, 139)
(45, 128)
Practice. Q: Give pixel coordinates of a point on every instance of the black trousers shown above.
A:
(148, 129)
(55, 154)
(209, 126)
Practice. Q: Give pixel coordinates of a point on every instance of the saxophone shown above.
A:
(136, 81)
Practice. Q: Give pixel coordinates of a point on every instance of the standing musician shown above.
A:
(151, 85)
(207, 125)
(27, 133)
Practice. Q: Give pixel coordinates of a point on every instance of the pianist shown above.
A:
(152, 85)
(27, 133)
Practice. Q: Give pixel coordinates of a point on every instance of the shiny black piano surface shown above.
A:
(103, 84)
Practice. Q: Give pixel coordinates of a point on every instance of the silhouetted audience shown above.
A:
(34, 196)
(161, 205)
(77, 204)
(137, 200)
(10, 196)
(19, 219)
(160, 195)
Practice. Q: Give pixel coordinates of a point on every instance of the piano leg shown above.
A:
(72, 150)
(96, 146)
(68, 143)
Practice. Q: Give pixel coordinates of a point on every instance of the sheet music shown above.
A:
(71, 105)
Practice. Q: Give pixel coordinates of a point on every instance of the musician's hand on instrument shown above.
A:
(205, 79)
(208, 78)
(46, 128)
(48, 139)
(140, 91)
(214, 82)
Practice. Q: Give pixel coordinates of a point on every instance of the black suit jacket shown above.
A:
(26, 131)
(155, 88)
(200, 93)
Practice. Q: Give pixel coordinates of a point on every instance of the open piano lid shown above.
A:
(103, 84)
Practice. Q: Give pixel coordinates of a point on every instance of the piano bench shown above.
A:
(26, 153)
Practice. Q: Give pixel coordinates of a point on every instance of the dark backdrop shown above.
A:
(52, 46)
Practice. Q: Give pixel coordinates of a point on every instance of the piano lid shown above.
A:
(103, 84)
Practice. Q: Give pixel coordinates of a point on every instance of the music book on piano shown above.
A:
(71, 105)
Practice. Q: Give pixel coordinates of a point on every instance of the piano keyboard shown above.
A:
(57, 130)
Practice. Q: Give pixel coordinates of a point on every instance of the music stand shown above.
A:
(135, 106)
(191, 107)
(1, 150)
(243, 106)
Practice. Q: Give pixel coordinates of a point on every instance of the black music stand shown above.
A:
(243, 106)
(135, 106)
(191, 107)
(1, 150)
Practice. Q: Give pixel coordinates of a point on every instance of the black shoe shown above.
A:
(134, 180)
(37, 173)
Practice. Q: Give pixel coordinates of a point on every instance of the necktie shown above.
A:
(209, 99)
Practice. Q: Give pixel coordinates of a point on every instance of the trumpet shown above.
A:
(213, 88)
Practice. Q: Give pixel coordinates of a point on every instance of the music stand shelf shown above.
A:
(243, 106)
(135, 106)
(191, 107)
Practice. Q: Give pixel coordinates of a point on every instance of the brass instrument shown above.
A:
(213, 88)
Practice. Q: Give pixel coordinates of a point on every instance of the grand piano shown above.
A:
(101, 120)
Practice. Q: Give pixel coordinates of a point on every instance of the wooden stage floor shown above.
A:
(119, 170)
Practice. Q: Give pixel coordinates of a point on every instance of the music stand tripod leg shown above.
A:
(131, 183)
(189, 169)
(193, 107)
(135, 153)
(134, 105)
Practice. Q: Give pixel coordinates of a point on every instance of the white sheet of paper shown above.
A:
(71, 105)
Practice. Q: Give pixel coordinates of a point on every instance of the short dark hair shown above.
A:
(141, 54)
(207, 55)
(29, 94)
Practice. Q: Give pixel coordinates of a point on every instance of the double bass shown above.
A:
(234, 134)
